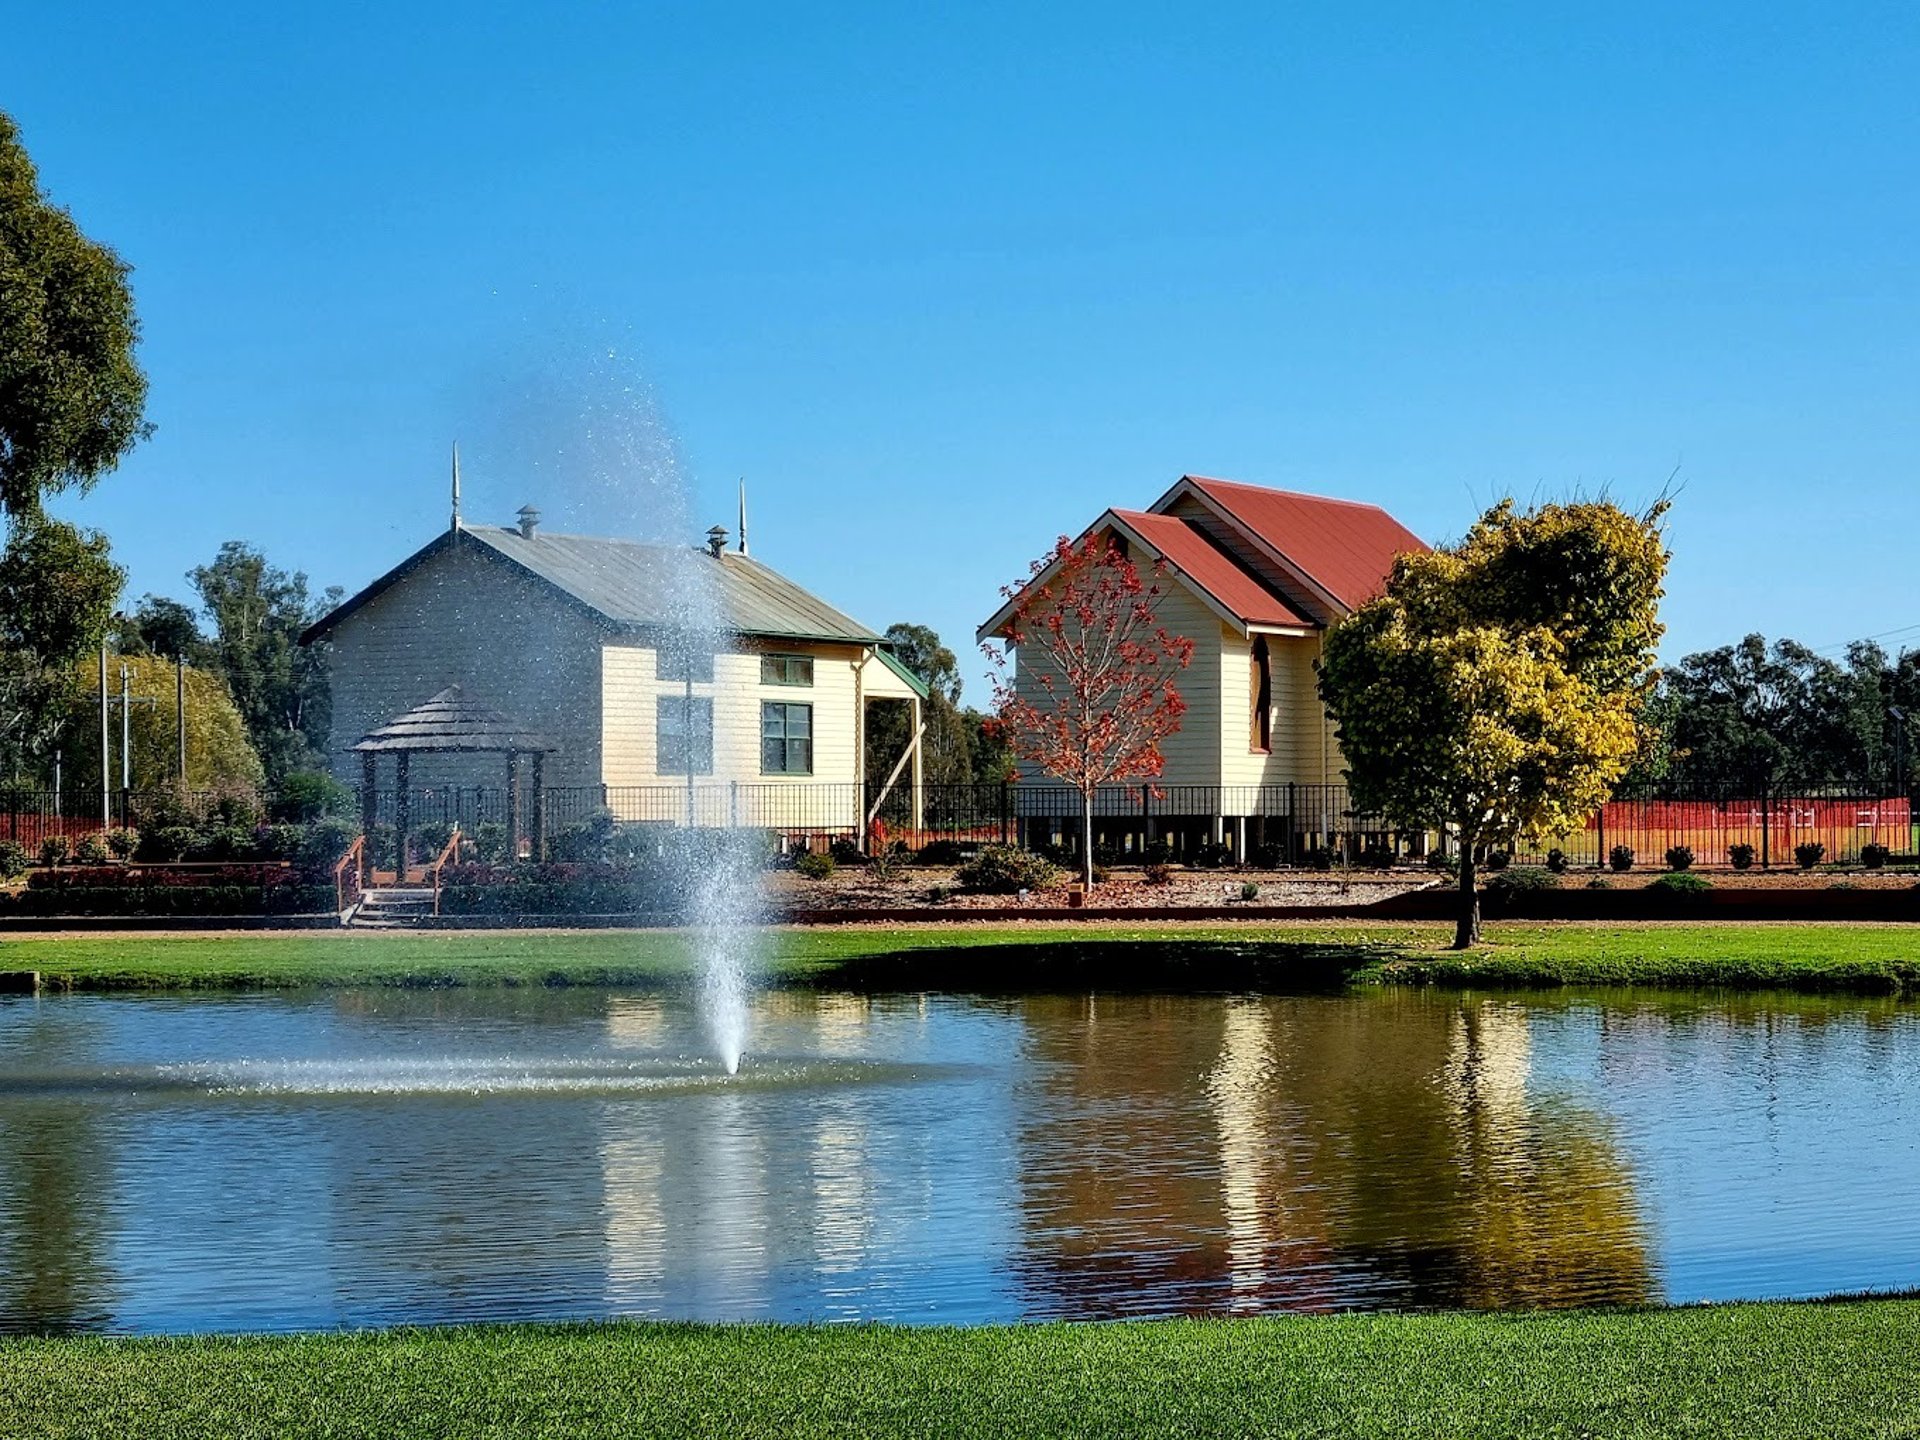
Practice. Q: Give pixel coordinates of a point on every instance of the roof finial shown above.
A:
(455, 523)
(743, 514)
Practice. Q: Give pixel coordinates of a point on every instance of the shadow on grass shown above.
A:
(1184, 966)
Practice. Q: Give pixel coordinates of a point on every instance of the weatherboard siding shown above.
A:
(1193, 752)
(844, 678)
(509, 641)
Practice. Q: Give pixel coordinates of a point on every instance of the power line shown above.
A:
(1838, 645)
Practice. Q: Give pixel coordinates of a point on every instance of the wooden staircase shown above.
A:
(394, 907)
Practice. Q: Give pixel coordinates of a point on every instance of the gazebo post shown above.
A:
(513, 806)
(401, 814)
(539, 817)
(369, 803)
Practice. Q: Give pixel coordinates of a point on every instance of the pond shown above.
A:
(375, 1157)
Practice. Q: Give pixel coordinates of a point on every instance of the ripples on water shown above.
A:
(356, 1158)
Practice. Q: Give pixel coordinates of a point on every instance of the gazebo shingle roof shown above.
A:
(449, 722)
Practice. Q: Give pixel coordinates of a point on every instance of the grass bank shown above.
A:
(1871, 959)
(1745, 1370)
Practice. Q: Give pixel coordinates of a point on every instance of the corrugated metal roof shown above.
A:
(1343, 546)
(451, 721)
(633, 584)
(1204, 564)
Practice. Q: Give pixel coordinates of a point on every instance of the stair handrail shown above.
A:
(449, 854)
(356, 852)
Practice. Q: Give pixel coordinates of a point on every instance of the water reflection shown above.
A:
(379, 1157)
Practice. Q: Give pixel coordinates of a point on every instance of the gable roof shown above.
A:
(1343, 547)
(630, 585)
(1210, 570)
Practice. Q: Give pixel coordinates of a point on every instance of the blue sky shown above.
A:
(942, 283)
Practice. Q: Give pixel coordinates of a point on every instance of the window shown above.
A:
(786, 738)
(786, 670)
(676, 744)
(1260, 684)
(674, 660)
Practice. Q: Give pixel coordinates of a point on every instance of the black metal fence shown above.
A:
(1277, 824)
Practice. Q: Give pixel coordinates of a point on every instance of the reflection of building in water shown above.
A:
(1199, 1155)
(1274, 1240)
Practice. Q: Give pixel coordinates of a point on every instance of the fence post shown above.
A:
(733, 804)
(1766, 826)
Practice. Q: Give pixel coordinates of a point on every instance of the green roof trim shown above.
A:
(894, 663)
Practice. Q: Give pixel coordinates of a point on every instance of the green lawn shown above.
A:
(1748, 1370)
(1880, 959)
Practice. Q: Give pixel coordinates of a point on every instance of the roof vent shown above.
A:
(717, 541)
(529, 521)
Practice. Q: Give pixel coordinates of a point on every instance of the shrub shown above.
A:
(1249, 890)
(1620, 859)
(235, 808)
(489, 839)
(163, 843)
(1212, 857)
(845, 852)
(220, 843)
(1160, 852)
(1679, 883)
(1557, 861)
(1809, 854)
(1269, 855)
(1441, 861)
(938, 893)
(1680, 857)
(324, 842)
(122, 843)
(817, 865)
(305, 796)
(1740, 856)
(1377, 857)
(54, 850)
(1003, 870)
(1875, 857)
(279, 842)
(587, 842)
(1498, 859)
(13, 860)
(888, 858)
(92, 850)
(939, 852)
(1157, 874)
(1511, 886)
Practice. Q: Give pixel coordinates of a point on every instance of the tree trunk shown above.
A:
(1466, 933)
(1086, 839)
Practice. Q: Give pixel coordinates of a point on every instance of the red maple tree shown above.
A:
(1099, 693)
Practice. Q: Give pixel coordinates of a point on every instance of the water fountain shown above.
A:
(608, 464)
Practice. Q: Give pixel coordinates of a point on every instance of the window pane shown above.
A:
(786, 670)
(672, 714)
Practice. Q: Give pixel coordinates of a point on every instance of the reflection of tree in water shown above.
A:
(56, 1192)
(1304, 1153)
(1554, 1219)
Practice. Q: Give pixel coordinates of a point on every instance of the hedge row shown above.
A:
(561, 889)
(131, 900)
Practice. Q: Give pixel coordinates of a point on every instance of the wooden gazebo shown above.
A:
(452, 724)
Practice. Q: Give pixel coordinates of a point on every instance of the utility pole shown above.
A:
(126, 700)
(106, 760)
(180, 717)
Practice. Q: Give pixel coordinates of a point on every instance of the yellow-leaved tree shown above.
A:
(1494, 687)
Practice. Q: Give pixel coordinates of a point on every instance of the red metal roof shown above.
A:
(1205, 565)
(1344, 547)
